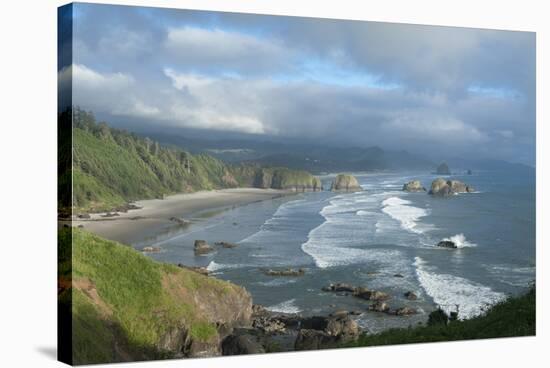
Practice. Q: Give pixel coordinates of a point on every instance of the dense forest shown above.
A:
(112, 167)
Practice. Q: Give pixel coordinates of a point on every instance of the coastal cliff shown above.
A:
(277, 178)
(127, 307)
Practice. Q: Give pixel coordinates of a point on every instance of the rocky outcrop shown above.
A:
(447, 244)
(413, 186)
(197, 269)
(443, 169)
(380, 306)
(442, 187)
(345, 183)
(357, 291)
(287, 272)
(185, 313)
(326, 332)
(202, 247)
(242, 344)
(339, 287)
(410, 295)
(225, 244)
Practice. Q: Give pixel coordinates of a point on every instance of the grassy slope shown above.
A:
(121, 296)
(112, 167)
(513, 317)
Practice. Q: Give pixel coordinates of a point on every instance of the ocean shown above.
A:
(369, 237)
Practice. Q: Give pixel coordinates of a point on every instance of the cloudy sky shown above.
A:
(431, 90)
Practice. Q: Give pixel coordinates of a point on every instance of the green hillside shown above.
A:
(112, 167)
(126, 306)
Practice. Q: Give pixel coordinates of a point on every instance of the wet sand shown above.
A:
(158, 214)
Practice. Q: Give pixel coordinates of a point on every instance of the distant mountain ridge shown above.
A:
(302, 156)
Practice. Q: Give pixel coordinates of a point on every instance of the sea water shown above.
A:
(381, 238)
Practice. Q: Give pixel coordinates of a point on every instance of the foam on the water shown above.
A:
(402, 211)
(448, 291)
(215, 267)
(350, 222)
(288, 306)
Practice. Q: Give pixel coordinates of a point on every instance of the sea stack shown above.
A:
(345, 183)
(443, 169)
(413, 186)
(442, 187)
(202, 247)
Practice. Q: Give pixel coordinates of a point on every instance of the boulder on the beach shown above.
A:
(443, 169)
(241, 344)
(442, 187)
(202, 247)
(151, 249)
(110, 214)
(345, 183)
(410, 295)
(413, 186)
(447, 244)
(225, 244)
(286, 272)
(83, 216)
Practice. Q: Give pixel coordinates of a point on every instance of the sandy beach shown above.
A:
(157, 214)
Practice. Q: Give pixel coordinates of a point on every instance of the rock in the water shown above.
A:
(151, 249)
(241, 344)
(398, 275)
(367, 294)
(443, 169)
(380, 306)
(413, 186)
(447, 244)
(287, 272)
(405, 311)
(345, 183)
(469, 172)
(226, 244)
(339, 287)
(179, 221)
(442, 187)
(410, 295)
(202, 247)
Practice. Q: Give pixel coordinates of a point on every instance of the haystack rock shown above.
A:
(442, 187)
(443, 169)
(345, 183)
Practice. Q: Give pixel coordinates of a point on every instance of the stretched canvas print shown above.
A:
(251, 184)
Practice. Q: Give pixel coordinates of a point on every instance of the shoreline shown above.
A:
(158, 214)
